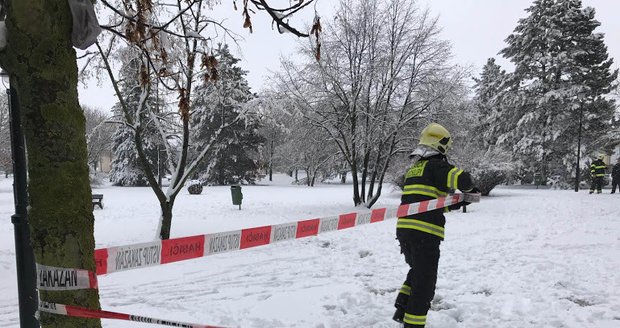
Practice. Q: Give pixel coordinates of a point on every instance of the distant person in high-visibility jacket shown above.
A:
(597, 173)
(430, 176)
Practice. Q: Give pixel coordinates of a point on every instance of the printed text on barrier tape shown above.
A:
(53, 278)
(75, 311)
(159, 252)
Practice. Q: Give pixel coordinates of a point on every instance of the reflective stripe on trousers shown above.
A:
(415, 319)
(405, 290)
(420, 225)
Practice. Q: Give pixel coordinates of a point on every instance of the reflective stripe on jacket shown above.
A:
(431, 178)
(597, 168)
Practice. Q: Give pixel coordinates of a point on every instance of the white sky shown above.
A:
(476, 28)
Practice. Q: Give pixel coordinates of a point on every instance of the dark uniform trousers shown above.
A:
(597, 184)
(597, 170)
(421, 251)
(615, 178)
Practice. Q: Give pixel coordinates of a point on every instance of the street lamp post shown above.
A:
(24, 256)
(577, 166)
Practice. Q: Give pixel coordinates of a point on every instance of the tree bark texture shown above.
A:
(42, 64)
(166, 221)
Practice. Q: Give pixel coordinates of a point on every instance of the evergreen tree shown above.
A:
(490, 165)
(221, 103)
(126, 168)
(561, 69)
(488, 102)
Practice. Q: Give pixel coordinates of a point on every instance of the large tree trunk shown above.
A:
(271, 160)
(357, 200)
(166, 216)
(42, 64)
(365, 162)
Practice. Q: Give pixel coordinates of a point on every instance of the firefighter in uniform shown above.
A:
(597, 172)
(419, 235)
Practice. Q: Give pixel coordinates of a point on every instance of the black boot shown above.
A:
(412, 326)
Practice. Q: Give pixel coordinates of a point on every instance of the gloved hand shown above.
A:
(474, 190)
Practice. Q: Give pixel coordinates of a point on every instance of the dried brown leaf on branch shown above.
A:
(215, 76)
(141, 22)
(164, 55)
(211, 62)
(145, 5)
(212, 66)
(154, 37)
(183, 104)
(144, 75)
(203, 61)
(136, 28)
(131, 32)
(247, 22)
(316, 26)
(316, 31)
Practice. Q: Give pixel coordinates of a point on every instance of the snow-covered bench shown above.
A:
(98, 200)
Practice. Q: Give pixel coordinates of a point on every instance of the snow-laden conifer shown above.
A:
(562, 71)
(224, 101)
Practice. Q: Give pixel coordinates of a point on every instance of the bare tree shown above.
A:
(99, 132)
(382, 68)
(175, 43)
(272, 116)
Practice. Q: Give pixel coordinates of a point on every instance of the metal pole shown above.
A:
(24, 256)
(577, 168)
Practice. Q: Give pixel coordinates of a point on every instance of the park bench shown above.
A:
(97, 200)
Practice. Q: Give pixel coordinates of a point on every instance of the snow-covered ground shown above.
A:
(521, 258)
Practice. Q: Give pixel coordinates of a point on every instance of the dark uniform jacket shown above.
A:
(431, 178)
(597, 168)
(615, 173)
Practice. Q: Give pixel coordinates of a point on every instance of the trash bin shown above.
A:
(538, 179)
(237, 196)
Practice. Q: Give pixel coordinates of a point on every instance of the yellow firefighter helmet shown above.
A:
(436, 137)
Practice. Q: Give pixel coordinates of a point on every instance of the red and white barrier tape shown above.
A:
(53, 278)
(128, 257)
(75, 311)
(172, 250)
